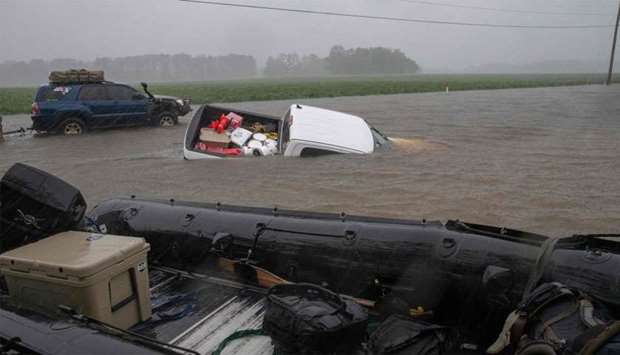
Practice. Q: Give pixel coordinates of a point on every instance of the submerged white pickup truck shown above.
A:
(302, 131)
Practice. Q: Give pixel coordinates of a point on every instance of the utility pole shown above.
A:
(613, 48)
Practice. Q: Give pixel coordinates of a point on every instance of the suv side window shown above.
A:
(92, 93)
(120, 93)
(52, 93)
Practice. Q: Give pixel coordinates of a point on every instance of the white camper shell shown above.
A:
(302, 131)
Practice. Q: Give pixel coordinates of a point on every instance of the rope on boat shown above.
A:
(238, 335)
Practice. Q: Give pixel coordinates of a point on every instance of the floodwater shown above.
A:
(542, 160)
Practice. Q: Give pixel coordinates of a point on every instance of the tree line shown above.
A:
(341, 61)
(157, 67)
(184, 67)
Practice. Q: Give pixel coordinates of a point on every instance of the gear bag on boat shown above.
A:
(400, 335)
(305, 318)
(553, 319)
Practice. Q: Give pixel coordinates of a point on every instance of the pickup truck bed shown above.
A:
(208, 113)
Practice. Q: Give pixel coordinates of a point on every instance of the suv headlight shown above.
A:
(180, 102)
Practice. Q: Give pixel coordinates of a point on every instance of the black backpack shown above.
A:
(552, 319)
(307, 319)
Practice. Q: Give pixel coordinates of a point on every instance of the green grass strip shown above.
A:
(19, 100)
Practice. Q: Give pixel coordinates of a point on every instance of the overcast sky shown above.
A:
(86, 29)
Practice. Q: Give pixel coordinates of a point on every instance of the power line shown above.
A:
(506, 10)
(613, 48)
(385, 18)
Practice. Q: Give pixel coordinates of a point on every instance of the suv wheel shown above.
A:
(72, 127)
(167, 119)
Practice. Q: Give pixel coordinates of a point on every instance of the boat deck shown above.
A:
(195, 312)
(239, 312)
(198, 312)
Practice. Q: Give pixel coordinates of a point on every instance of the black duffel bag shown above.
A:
(306, 319)
(400, 335)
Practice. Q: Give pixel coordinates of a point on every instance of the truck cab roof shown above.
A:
(331, 129)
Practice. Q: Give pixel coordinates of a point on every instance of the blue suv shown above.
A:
(72, 109)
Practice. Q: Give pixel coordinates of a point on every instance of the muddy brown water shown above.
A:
(542, 160)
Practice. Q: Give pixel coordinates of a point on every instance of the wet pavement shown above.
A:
(544, 160)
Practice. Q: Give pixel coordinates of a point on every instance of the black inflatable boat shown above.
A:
(455, 275)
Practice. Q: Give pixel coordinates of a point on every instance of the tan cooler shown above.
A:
(101, 276)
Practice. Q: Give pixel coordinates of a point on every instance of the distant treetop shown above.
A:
(341, 61)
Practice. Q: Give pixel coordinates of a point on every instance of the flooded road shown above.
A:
(542, 160)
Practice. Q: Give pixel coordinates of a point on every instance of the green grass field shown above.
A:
(18, 100)
(15, 100)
